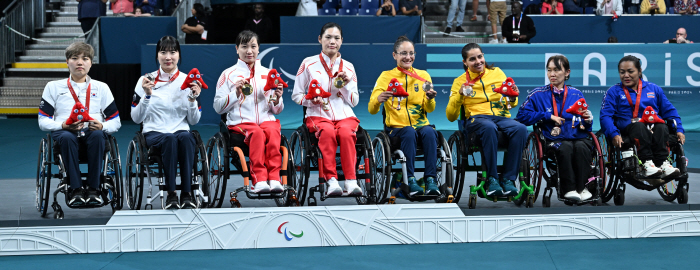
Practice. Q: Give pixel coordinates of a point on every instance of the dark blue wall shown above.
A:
(356, 29)
(121, 37)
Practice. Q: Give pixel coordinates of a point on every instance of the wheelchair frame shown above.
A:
(49, 155)
(143, 162)
(221, 155)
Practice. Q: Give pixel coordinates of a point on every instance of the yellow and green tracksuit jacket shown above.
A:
(414, 109)
(483, 100)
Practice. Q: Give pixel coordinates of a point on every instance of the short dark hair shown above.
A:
(400, 41)
(246, 36)
(560, 62)
(465, 54)
(199, 10)
(168, 43)
(330, 25)
(631, 58)
(78, 48)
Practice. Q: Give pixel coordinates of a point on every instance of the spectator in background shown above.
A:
(309, 7)
(195, 26)
(687, 7)
(522, 28)
(122, 6)
(608, 6)
(653, 7)
(89, 11)
(138, 12)
(475, 7)
(497, 13)
(260, 24)
(547, 7)
(411, 7)
(456, 6)
(612, 39)
(632, 6)
(570, 7)
(387, 8)
(681, 37)
(166, 7)
(147, 6)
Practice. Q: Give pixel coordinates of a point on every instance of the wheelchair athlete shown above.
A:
(548, 104)
(473, 90)
(622, 107)
(253, 115)
(410, 122)
(57, 103)
(166, 113)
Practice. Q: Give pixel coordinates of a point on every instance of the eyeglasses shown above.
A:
(404, 54)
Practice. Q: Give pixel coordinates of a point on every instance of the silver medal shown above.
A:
(427, 86)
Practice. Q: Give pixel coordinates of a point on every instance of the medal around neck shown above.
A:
(556, 131)
(247, 89)
(466, 90)
(338, 82)
(427, 86)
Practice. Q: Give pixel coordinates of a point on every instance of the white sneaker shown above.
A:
(352, 188)
(260, 187)
(668, 170)
(650, 170)
(504, 41)
(276, 186)
(572, 195)
(333, 188)
(585, 194)
(493, 41)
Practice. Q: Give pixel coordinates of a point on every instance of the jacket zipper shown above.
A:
(483, 88)
(407, 113)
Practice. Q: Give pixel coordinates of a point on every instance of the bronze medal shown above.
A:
(338, 82)
(247, 89)
(556, 131)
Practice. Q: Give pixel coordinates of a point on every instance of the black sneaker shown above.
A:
(76, 197)
(171, 202)
(186, 201)
(447, 31)
(94, 197)
(460, 29)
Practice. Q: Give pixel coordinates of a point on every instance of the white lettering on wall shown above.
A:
(587, 72)
(667, 70)
(692, 66)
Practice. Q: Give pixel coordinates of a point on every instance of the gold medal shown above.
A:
(338, 82)
(556, 131)
(247, 89)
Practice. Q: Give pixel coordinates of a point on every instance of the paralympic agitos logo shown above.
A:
(289, 238)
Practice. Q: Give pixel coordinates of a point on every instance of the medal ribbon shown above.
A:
(412, 74)
(75, 97)
(168, 81)
(328, 70)
(639, 96)
(554, 101)
(471, 82)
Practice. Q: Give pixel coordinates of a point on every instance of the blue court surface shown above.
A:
(645, 253)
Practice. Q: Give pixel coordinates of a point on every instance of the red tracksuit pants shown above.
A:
(265, 162)
(330, 134)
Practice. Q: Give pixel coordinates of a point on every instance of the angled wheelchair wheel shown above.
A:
(382, 167)
(533, 157)
(134, 174)
(609, 170)
(299, 144)
(216, 186)
(200, 172)
(446, 179)
(365, 164)
(456, 145)
(113, 168)
(43, 176)
(676, 189)
(289, 198)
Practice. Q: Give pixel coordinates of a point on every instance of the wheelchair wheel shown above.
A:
(619, 198)
(286, 200)
(216, 186)
(534, 157)
(133, 179)
(446, 180)
(365, 162)
(43, 176)
(200, 172)
(456, 148)
(675, 189)
(299, 144)
(610, 179)
(114, 171)
(382, 169)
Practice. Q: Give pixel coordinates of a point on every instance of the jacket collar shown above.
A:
(166, 76)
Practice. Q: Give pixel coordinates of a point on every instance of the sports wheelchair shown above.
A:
(621, 171)
(543, 164)
(50, 155)
(387, 152)
(464, 146)
(307, 157)
(226, 148)
(146, 162)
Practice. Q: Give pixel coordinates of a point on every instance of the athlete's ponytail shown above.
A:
(400, 41)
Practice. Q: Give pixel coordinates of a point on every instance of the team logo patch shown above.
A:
(94, 94)
(651, 95)
(549, 110)
(41, 104)
(415, 87)
(623, 97)
(493, 86)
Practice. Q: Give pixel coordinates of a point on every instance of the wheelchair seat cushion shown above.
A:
(236, 139)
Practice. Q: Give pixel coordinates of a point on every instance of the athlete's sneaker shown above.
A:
(94, 197)
(509, 188)
(276, 186)
(333, 188)
(668, 170)
(414, 188)
(171, 202)
(77, 198)
(260, 187)
(352, 188)
(585, 194)
(572, 195)
(186, 201)
(431, 187)
(494, 188)
(651, 171)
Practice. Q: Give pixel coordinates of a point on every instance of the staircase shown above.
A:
(478, 31)
(42, 62)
